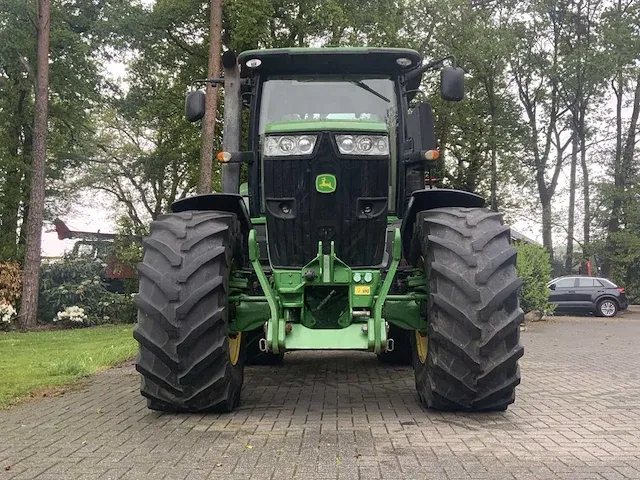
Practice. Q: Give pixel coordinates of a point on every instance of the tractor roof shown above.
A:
(329, 60)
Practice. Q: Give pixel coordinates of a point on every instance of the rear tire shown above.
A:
(401, 354)
(188, 360)
(254, 355)
(469, 360)
(607, 308)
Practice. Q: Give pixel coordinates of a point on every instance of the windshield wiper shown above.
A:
(366, 87)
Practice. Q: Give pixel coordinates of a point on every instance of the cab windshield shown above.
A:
(322, 97)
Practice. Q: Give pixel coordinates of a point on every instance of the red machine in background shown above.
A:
(101, 246)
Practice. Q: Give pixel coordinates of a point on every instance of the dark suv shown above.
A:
(587, 294)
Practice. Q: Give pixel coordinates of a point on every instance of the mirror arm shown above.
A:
(416, 91)
(220, 81)
(435, 65)
(212, 81)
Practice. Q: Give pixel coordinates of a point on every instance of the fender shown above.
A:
(606, 296)
(221, 202)
(429, 199)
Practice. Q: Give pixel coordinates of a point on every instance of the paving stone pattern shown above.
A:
(331, 415)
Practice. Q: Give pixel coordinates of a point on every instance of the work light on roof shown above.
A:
(254, 63)
(404, 61)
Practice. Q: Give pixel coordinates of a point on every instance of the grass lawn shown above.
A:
(31, 361)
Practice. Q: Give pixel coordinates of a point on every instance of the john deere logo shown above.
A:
(326, 183)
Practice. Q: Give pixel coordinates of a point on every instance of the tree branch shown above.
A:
(180, 44)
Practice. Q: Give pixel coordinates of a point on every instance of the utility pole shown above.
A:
(211, 105)
(31, 271)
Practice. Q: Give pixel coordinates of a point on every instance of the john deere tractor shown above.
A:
(334, 242)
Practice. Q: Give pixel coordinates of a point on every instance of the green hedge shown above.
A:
(534, 268)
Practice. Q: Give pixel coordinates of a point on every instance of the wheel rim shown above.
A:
(608, 308)
(422, 346)
(234, 347)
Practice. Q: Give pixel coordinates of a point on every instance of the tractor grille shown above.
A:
(298, 216)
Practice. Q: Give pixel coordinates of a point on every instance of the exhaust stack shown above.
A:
(232, 121)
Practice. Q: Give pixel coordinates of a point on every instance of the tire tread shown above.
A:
(473, 312)
(183, 314)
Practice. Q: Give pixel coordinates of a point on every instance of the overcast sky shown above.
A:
(93, 211)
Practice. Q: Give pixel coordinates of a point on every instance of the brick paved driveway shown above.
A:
(343, 415)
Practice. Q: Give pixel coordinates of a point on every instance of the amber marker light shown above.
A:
(432, 155)
(223, 157)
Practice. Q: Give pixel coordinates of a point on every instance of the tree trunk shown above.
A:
(547, 237)
(10, 201)
(27, 153)
(585, 187)
(10, 198)
(630, 143)
(572, 198)
(494, 153)
(494, 180)
(31, 271)
(209, 122)
(618, 177)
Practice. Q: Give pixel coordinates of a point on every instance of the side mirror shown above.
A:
(552, 286)
(194, 106)
(452, 84)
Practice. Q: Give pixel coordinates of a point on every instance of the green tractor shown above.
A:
(334, 242)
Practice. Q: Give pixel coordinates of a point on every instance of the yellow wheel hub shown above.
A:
(422, 346)
(234, 347)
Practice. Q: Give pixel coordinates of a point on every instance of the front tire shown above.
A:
(468, 358)
(187, 358)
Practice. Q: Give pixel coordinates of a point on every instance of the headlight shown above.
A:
(363, 145)
(288, 145)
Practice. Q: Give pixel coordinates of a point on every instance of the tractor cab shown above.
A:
(334, 150)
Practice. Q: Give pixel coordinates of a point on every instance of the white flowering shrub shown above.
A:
(7, 315)
(73, 316)
(77, 282)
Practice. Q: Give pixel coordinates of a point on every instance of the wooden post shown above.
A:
(209, 123)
